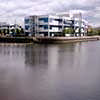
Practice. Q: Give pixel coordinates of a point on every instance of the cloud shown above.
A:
(20, 8)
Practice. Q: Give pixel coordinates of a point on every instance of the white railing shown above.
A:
(50, 30)
(55, 30)
(42, 23)
(55, 23)
(42, 30)
(76, 24)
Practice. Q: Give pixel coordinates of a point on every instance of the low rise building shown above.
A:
(51, 25)
(6, 28)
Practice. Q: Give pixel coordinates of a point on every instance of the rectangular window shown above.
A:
(45, 26)
(26, 21)
(43, 19)
(27, 27)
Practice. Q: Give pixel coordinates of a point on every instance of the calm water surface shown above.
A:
(50, 72)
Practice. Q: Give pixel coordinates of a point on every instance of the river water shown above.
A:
(50, 72)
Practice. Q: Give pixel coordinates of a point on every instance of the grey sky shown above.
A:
(18, 9)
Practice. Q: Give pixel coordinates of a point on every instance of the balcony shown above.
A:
(76, 25)
(82, 25)
(50, 30)
(43, 30)
(42, 23)
(69, 25)
(55, 30)
(56, 23)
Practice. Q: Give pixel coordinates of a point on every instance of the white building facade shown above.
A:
(52, 25)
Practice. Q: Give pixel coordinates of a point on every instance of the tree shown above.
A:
(90, 31)
(4, 31)
(68, 31)
(22, 30)
(0, 31)
(7, 31)
(99, 32)
(13, 31)
(93, 31)
(17, 31)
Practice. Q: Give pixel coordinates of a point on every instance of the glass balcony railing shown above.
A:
(42, 23)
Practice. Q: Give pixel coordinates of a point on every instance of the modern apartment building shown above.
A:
(51, 25)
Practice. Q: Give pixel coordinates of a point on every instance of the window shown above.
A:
(43, 19)
(51, 27)
(45, 26)
(26, 21)
(27, 27)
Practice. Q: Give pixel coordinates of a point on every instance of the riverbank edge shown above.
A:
(57, 40)
(46, 40)
(16, 40)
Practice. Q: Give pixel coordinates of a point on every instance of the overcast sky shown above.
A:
(18, 9)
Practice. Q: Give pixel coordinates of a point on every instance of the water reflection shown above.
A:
(50, 72)
(36, 55)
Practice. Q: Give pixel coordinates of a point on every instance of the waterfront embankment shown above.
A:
(46, 40)
(16, 40)
(64, 39)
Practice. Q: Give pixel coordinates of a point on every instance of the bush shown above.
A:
(68, 31)
(93, 32)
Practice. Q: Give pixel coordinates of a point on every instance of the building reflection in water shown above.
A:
(36, 55)
(50, 56)
(8, 50)
(50, 72)
(12, 58)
